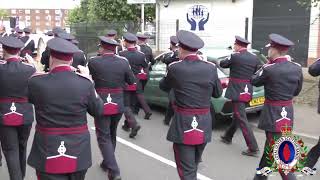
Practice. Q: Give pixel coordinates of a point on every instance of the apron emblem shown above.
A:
(194, 126)
(284, 121)
(245, 96)
(13, 118)
(62, 150)
(142, 75)
(110, 108)
(109, 99)
(193, 136)
(61, 163)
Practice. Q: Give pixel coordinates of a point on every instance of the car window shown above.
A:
(159, 66)
(221, 74)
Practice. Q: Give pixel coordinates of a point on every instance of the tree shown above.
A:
(309, 3)
(79, 14)
(110, 10)
(3, 14)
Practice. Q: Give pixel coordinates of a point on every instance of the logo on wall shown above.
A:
(197, 16)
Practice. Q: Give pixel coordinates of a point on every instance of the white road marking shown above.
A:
(153, 155)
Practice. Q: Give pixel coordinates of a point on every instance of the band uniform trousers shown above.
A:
(139, 100)
(14, 145)
(73, 176)
(313, 155)
(106, 130)
(0, 154)
(187, 159)
(130, 119)
(169, 113)
(240, 119)
(263, 162)
(137, 105)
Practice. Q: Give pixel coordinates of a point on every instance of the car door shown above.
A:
(153, 94)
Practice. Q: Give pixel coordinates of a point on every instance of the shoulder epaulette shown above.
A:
(86, 77)
(121, 57)
(295, 63)
(176, 62)
(28, 64)
(268, 65)
(38, 74)
(252, 53)
(209, 63)
(3, 62)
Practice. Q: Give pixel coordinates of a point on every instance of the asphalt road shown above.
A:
(150, 156)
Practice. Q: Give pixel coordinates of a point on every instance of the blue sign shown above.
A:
(197, 16)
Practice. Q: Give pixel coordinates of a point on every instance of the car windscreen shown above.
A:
(221, 74)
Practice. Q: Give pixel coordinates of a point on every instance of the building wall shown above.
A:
(284, 17)
(314, 35)
(226, 19)
(40, 20)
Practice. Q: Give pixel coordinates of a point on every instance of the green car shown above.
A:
(222, 105)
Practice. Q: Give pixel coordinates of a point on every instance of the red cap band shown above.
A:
(11, 50)
(240, 43)
(108, 46)
(279, 46)
(61, 56)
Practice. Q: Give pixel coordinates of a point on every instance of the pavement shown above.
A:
(150, 155)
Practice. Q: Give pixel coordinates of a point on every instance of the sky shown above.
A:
(38, 4)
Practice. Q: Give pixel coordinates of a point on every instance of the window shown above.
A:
(28, 18)
(37, 11)
(47, 24)
(13, 11)
(58, 23)
(20, 11)
(37, 17)
(37, 23)
(47, 11)
(27, 11)
(48, 18)
(28, 24)
(58, 12)
(58, 18)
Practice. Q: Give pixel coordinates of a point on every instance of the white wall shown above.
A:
(226, 20)
(314, 32)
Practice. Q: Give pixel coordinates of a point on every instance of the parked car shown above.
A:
(222, 105)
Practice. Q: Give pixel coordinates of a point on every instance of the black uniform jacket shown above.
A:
(243, 65)
(62, 99)
(29, 48)
(282, 80)
(111, 73)
(14, 106)
(193, 83)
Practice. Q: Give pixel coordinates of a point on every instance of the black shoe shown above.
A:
(250, 153)
(165, 122)
(225, 140)
(125, 127)
(117, 178)
(103, 167)
(148, 115)
(134, 131)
